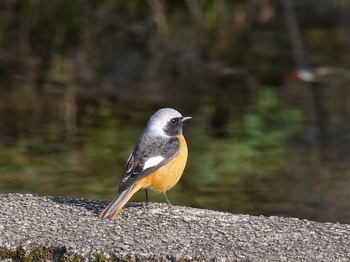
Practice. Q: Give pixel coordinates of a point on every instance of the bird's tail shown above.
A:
(114, 208)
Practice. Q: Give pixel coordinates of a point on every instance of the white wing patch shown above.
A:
(153, 161)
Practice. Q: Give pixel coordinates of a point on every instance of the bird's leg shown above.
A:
(145, 205)
(170, 205)
(146, 193)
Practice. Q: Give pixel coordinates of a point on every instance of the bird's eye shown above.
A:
(174, 121)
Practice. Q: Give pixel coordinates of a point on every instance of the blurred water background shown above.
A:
(266, 82)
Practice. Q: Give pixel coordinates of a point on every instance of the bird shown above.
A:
(157, 161)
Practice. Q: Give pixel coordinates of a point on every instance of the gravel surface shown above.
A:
(56, 228)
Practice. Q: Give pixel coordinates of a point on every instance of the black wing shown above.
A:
(145, 149)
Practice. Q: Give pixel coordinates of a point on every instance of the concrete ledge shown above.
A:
(65, 229)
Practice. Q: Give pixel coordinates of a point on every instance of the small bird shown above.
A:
(157, 161)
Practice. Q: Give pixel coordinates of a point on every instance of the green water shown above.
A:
(232, 173)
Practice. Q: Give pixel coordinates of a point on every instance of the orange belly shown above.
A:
(168, 175)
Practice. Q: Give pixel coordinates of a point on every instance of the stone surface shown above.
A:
(65, 228)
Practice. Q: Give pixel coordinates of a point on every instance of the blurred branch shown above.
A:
(300, 61)
(159, 18)
(160, 39)
(295, 38)
(196, 11)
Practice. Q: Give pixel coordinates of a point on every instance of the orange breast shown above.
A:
(168, 175)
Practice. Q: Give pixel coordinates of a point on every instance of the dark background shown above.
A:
(266, 82)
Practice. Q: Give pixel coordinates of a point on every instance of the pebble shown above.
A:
(72, 229)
